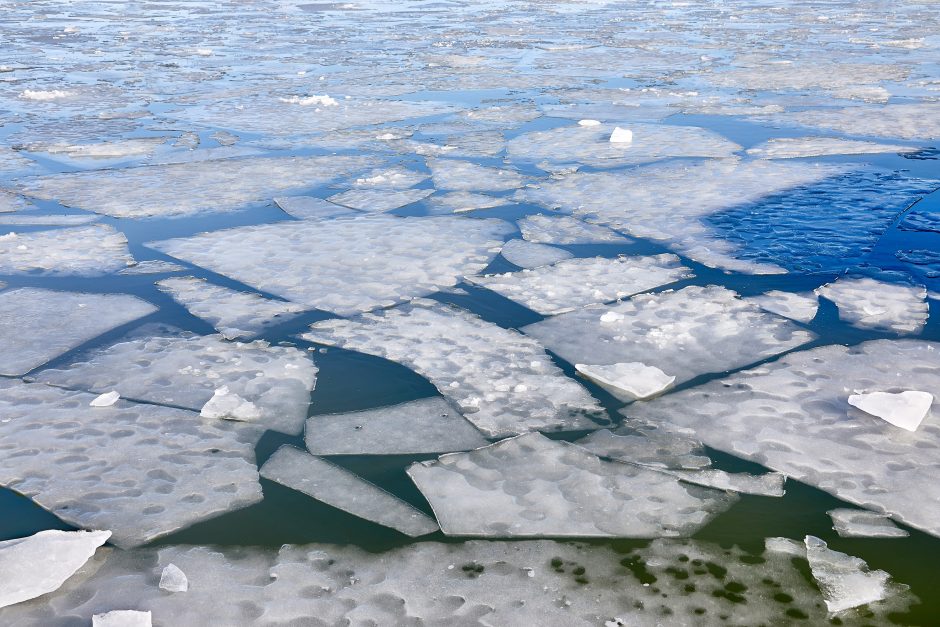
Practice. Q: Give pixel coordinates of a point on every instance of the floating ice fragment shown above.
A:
(312, 208)
(122, 618)
(46, 220)
(462, 202)
(452, 174)
(797, 147)
(588, 123)
(105, 400)
(566, 230)
(767, 484)
(628, 381)
(530, 255)
(306, 101)
(799, 307)
(654, 449)
(86, 252)
(845, 581)
(45, 95)
(152, 266)
(621, 136)
(379, 200)
(904, 409)
(860, 523)
(39, 564)
(228, 406)
(872, 304)
(906, 121)
(172, 579)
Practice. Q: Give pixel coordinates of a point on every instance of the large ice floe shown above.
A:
(868, 303)
(684, 333)
(358, 264)
(339, 488)
(269, 384)
(574, 283)
(85, 251)
(234, 314)
(531, 486)
(503, 381)
(185, 189)
(797, 147)
(793, 416)
(139, 470)
(524, 254)
(562, 229)
(38, 325)
(906, 121)
(799, 307)
(453, 174)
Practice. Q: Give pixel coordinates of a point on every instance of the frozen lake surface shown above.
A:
(444, 313)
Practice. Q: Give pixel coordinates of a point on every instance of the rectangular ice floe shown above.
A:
(793, 416)
(428, 425)
(861, 523)
(531, 486)
(188, 188)
(141, 471)
(339, 488)
(379, 200)
(501, 380)
(38, 325)
(574, 283)
(872, 304)
(796, 147)
(525, 254)
(189, 370)
(452, 174)
(684, 333)
(234, 314)
(349, 265)
(563, 229)
(85, 251)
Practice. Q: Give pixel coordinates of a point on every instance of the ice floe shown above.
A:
(797, 147)
(526, 254)
(563, 229)
(799, 307)
(502, 381)
(339, 488)
(379, 200)
(359, 264)
(872, 304)
(122, 618)
(628, 381)
(396, 177)
(844, 580)
(172, 579)
(84, 251)
(453, 174)
(46, 220)
(312, 208)
(462, 202)
(903, 121)
(905, 409)
(860, 523)
(152, 266)
(654, 449)
(105, 400)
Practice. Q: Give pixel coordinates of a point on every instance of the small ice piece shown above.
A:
(379, 200)
(228, 406)
(767, 484)
(152, 266)
(307, 101)
(563, 229)
(785, 546)
(796, 147)
(621, 136)
(589, 123)
(339, 488)
(861, 523)
(312, 208)
(799, 307)
(39, 564)
(452, 174)
(654, 449)
(429, 425)
(463, 202)
(872, 304)
(83, 251)
(530, 255)
(172, 579)
(105, 400)
(903, 409)
(845, 581)
(531, 486)
(629, 381)
(122, 618)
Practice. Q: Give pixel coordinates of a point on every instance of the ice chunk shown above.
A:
(628, 381)
(575, 283)
(429, 425)
(501, 380)
(654, 449)
(234, 314)
(796, 147)
(141, 471)
(39, 564)
(152, 266)
(122, 618)
(530, 255)
(312, 208)
(621, 136)
(452, 174)
(588, 123)
(566, 230)
(531, 486)
(767, 484)
(904, 409)
(359, 264)
(226, 405)
(105, 400)
(379, 200)
(462, 202)
(845, 581)
(686, 333)
(37, 325)
(172, 579)
(339, 488)
(86, 251)
(799, 307)
(860, 523)
(872, 304)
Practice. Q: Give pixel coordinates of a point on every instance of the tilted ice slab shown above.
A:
(428, 425)
(86, 251)
(452, 174)
(339, 488)
(872, 304)
(188, 188)
(685, 333)
(861, 523)
(531, 486)
(574, 283)
(628, 381)
(234, 314)
(844, 580)
(152, 266)
(38, 325)
(797, 147)
(592, 145)
(187, 370)
(792, 416)
(349, 265)
(502, 381)
(141, 471)
(654, 449)
(905, 409)
(799, 307)
(903, 121)
(462, 202)
(566, 230)
(42, 562)
(312, 208)
(379, 200)
(531, 255)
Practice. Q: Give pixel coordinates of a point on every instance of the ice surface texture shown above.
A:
(86, 252)
(796, 147)
(525, 254)
(562, 229)
(451, 174)
(872, 304)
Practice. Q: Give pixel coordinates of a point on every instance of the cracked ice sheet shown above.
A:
(190, 188)
(142, 471)
(591, 145)
(544, 229)
(797, 147)
(525, 254)
(234, 314)
(452, 174)
(38, 325)
(533, 582)
(793, 416)
(379, 200)
(684, 333)
(531, 486)
(359, 263)
(574, 283)
(502, 381)
(85, 251)
(186, 370)
(868, 303)
(339, 488)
